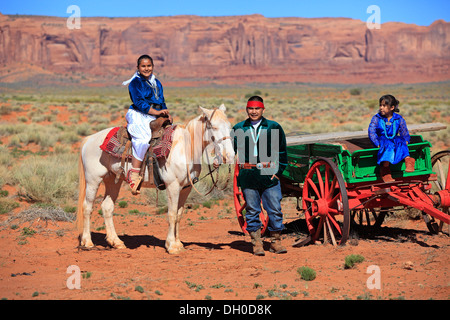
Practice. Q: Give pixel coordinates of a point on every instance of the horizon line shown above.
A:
(214, 16)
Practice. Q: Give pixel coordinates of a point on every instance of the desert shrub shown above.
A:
(372, 105)
(352, 259)
(52, 179)
(7, 205)
(355, 91)
(306, 273)
(83, 129)
(44, 136)
(5, 156)
(58, 149)
(69, 137)
(5, 163)
(5, 176)
(36, 214)
(10, 129)
(255, 93)
(123, 204)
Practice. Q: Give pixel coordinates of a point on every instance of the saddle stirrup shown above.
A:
(134, 179)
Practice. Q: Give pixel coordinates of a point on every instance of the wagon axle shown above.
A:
(320, 207)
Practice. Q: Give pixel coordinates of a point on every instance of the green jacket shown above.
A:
(270, 147)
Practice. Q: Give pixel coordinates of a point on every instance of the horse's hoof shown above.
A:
(87, 244)
(116, 243)
(176, 250)
(120, 246)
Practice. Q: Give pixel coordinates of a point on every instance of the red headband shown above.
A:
(255, 104)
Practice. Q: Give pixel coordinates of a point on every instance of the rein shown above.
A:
(217, 156)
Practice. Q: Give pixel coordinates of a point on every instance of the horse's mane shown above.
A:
(196, 127)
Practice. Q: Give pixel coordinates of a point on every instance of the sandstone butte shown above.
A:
(228, 49)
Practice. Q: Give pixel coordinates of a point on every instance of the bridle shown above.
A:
(213, 138)
(220, 158)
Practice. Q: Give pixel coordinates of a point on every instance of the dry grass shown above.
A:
(51, 179)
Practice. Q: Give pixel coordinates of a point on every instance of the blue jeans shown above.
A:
(271, 200)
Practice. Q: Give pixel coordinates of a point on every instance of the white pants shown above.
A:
(139, 129)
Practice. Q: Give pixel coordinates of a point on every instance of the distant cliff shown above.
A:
(229, 49)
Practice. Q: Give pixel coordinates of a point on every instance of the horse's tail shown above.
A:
(81, 190)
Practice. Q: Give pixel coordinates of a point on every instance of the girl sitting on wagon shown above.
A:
(388, 131)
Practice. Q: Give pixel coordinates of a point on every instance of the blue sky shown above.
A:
(408, 11)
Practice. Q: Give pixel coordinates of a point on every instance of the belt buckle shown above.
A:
(259, 166)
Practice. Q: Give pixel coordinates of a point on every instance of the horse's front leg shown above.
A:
(91, 191)
(173, 243)
(111, 194)
(184, 193)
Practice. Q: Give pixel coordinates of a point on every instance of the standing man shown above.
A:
(261, 148)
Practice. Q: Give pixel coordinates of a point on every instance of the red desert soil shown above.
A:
(217, 262)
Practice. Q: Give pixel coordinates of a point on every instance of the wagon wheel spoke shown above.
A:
(319, 229)
(368, 217)
(333, 239)
(313, 187)
(366, 213)
(319, 179)
(333, 211)
(332, 187)
(335, 223)
(335, 199)
(441, 175)
(375, 215)
(327, 183)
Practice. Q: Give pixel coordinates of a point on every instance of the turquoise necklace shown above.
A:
(255, 139)
(394, 129)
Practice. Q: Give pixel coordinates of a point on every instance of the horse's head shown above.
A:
(217, 133)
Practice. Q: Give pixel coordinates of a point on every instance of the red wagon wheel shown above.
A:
(325, 202)
(239, 205)
(441, 165)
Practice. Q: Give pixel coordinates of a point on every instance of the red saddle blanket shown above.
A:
(163, 147)
(112, 146)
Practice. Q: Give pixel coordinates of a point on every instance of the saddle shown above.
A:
(118, 144)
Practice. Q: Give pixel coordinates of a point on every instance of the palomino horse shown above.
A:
(188, 145)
